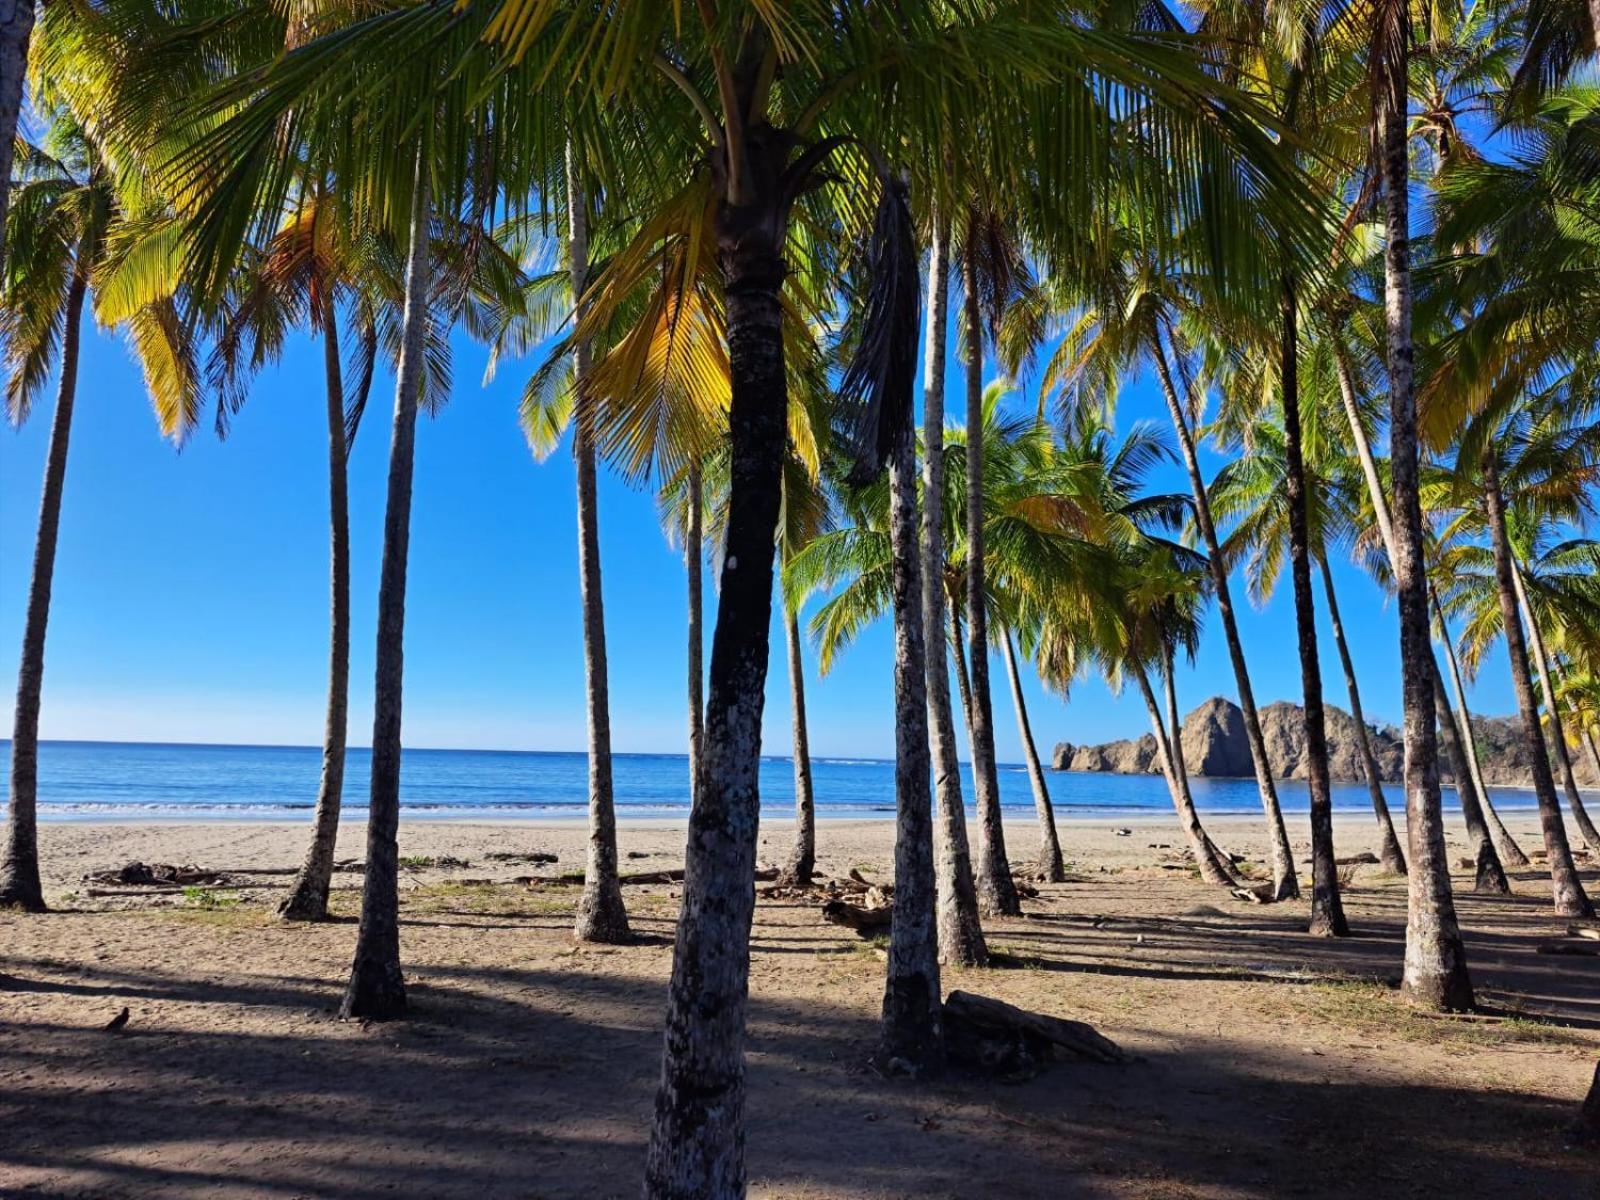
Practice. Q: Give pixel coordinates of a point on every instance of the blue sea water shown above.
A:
(152, 781)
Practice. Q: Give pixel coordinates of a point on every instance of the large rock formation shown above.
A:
(1214, 744)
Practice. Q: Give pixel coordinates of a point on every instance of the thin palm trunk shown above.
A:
(601, 915)
(1594, 750)
(1558, 732)
(1510, 851)
(1568, 894)
(912, 1037)
(958, 649)
(1491, 876)
(1389, 852)
(1174, 736)
(697, 1136)
(308, 894)
(803, 858)
(693, 559)
(377, 987)
(20, 886)
(1051, 868)
(1327, 911)
(1206, 857)
(16, 28)
(1435, 974)
(1285, 884)
(961, 940)
(997, 894)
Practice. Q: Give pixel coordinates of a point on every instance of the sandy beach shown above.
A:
(1267, 1063)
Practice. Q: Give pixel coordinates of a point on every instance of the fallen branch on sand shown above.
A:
(1001, 1039)
(874, 916)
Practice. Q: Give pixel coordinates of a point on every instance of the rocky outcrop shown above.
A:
(1214, 744)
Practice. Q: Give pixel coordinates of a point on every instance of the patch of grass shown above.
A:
(1006, 957)
(1376, 1009)
(210, 898)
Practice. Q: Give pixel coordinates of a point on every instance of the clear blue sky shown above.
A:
(191, 592)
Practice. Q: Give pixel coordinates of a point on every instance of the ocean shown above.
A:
(127, 781)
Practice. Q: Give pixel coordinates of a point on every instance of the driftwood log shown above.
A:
(867, 920)
(1000, 1039)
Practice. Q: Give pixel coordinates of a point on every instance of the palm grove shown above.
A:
(728, 233)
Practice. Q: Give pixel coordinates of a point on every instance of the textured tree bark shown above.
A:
(1509, 849)
(601, 915)
(1594, 750)
(1285, 883)
(20, 886)
(1569, 897)
(1327, 911)
(1589, 1115)
(961, 940)
(1050, 864)
(1389, 853)
(1558, 732)
(308, 894)
(997, 894)
(693, 560)
(803, 858)
(377, 987)
(913, 1038)
(1205, 854)
(697, 1137)
(1491, 877)
(1435, 975)
(16, 28)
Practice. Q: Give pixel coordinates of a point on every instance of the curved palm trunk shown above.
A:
(1389, 853)
(601, 915)
(1558, 733)
(803, 858)
(1569, 897)
(1206, 856)
(1491, 877)
(1509, 849)
(377, 987)
(1510, 852)
(697, 1137)
(693, 559)
(308, 894)
(961, 940)
(1051, 867)
(20, 886)
(1435, 973)
(1327, 911)
(16, 28)
(1594, 750)
(1285, 884)
(958, 649)
(997, 894)
(1180, 769)
(912, 1032)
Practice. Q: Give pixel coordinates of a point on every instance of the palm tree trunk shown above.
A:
(997, 894)
(1285, 883)
(697, 1137)
(961, 940)
(1569, 897)
(1174, 736)
(20, 886)
(1327, 911)
(1509, 849)
(958, 649)
(1206, 857)
(1435, 975)
(1491, 876)
(601, 915)
(377, 988)
(912, 1033)
(693, 559)
(1594, 750)
(1558, 733)
(803, 858)
(308, 894)
(1051, 868)
(1389, 853)
(16, 28)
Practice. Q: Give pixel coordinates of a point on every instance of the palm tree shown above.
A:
(1051, 868)
(69, 234)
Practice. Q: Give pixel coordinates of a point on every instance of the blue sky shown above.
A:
(191, 588)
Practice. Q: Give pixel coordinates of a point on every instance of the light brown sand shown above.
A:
(1269, 1063)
